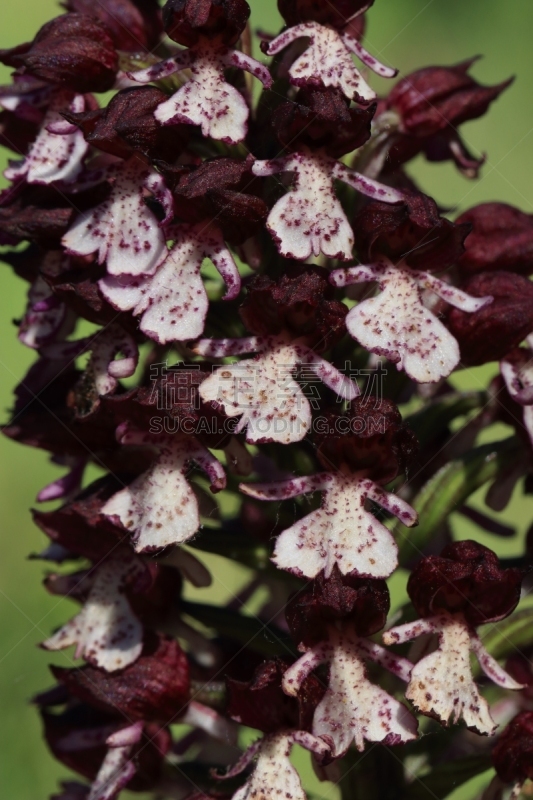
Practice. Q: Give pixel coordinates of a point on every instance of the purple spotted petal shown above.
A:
(122, 230)
(343, 532)
(106, 632)
(159, 507)
(327, 61)
(442, 684)
(173, 303)
(57, 153)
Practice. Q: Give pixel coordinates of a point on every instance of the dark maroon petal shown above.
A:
(17, 133)
(134, 25)
(300, 303)
(79, 526)
(128, 125)
(512, 754)
(222, 190)
(488, 334)
(336, 14)
(369, 437)
(413, 231)
(73, 51)
(466, 578)
(261, 703)
(155, 688)
(363, 602)
(37, 213)
(501, 238)
(322, 118)
(41, 213)
(186, 21)
(77, 737)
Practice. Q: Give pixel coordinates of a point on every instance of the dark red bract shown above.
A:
(322, 118)
(369, 438)
(156, 687)
(261, 703)
(134, 25)
(413, 232)
(337, 14)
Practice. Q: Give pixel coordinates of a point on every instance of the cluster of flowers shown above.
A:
(122, 205)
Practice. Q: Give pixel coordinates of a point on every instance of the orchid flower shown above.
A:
(262, 389)
(123, 231)
(106, 632)
(353, 708)
(173, 302)
(207, 99)
(328, 60)
(57, 153)
(442, 684)
(342, 531)
(274, 775)
(159, 507)
(398, 325)
(309, 219)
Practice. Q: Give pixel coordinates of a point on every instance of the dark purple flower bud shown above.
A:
(127, 125)
(501, 238)
(431, 99)
(363, 602)
(73, 51)
(431, 103)
(337, 14)
(412, 231)
(488, 334)
(155, 688)
(512, 754)
(322, 118)
(261, 703)
(221, 190)
(187, 21)
(300, 303)
(134, 25)
(369, 437)
(467, 579)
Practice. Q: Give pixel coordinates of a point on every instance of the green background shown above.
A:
(406, 33)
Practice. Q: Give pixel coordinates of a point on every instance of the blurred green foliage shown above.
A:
(408, 34)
